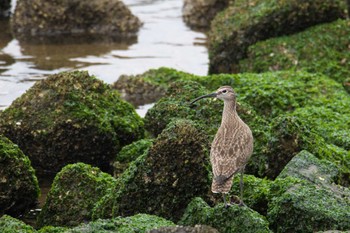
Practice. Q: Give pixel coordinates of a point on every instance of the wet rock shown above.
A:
(5, 8)
(73, 194)
(256, 192)
(245, 23)
(199, 13)
(9, 224)
(36, 18)
(164, 181)
(147, 87)
(130, 153)
(307, 167)
(176, 104)
(19, 187)
(183, 229)
(290, 135)
(70, 117)
(312, 50)
(52, 229)
(226, 220)
(300, 206)
(140, 223)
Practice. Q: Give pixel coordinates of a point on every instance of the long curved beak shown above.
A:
(212, 95)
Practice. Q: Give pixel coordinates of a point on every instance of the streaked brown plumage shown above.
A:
(232, 145)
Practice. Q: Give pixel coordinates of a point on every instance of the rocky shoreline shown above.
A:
(118, 172)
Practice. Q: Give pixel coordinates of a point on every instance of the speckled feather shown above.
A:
(232, 146)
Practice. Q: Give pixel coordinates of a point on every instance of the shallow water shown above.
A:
(163, 40)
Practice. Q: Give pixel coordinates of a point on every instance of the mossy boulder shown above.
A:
(243, 24)
(300, 206)
(290, 135)
(147, 87)
(185, 229)
(9, 225)
(198, 14)
(73, 194)
(226, 220)
(70, 117)
(52, 229)
(128, 154)
(332, 123)
(306, 166)
(37, 18)
(319, 49)
(19, 187)
(163, 181)
(256, 192)
(5, 7)
(140, 223)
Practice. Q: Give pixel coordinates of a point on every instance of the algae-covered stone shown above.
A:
(226, 220)
(140, 223)
(300, 206)
(306, 166)
(185, 229)
(333, 124)
(245, 23)
(10, 225)
(128, 154)
(147, 87)
(199, 13)
(73, 194)
(38, 18)
(290, 135)
(52, 229)
(320, 49)
(70, 117)
(255, 194)
(164, 181)
(176, 104)
(19, 187)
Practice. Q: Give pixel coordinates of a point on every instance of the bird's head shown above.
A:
(225, 93)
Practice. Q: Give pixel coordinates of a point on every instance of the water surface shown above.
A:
(163, 40)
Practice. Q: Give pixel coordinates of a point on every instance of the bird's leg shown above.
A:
(224, 197)
(241, 183)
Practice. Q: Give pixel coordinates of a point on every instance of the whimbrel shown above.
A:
(232, 145)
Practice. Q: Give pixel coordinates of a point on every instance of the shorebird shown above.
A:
(232, 145)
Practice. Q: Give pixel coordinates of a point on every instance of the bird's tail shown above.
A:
(221, 184)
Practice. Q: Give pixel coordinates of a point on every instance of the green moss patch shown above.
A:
(163, 181)
(299, 206)
(245, 23)
(19, 187)
(226, 220)
(320, 49)
(70, 117)
(73, 195)
(140, 223)
(9, 225)
(130, 153)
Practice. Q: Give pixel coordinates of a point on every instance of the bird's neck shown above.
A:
(229, 114)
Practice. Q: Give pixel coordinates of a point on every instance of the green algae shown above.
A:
(83, 117)
(74, 192)
(165, 179)
(226, 220)
(319, 49)
(299, 206)
(245, 23)
(9, 224)
(19, 188)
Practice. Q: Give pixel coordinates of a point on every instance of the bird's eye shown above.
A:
(224, 91)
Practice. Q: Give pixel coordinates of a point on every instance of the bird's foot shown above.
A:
(241, 203)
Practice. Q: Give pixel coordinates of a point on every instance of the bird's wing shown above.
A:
(230, 153)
